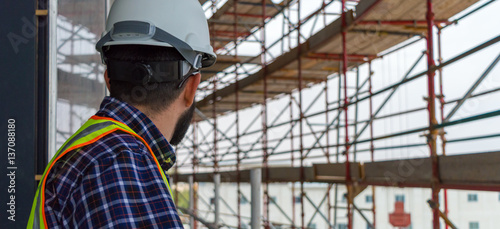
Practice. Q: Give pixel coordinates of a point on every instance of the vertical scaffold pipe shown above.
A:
(214, 107)
(346, 116)
(292, 159)
(433, 132)
(301, 117)
(372, 148)
(264, 115)
(356, 115)
(327, 120)
(214, 115)
(337, 147)
(236, 109)
(442, 103)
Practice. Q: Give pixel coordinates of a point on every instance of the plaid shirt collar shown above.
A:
(143, 126)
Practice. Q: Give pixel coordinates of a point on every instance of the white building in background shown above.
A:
(467, 209)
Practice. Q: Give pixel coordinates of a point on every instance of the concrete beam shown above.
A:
(465, 172)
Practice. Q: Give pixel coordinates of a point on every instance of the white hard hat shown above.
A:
(180, 24)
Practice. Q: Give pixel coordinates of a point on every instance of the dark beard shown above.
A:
(182, 125)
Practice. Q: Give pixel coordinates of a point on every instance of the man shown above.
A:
(110, 173)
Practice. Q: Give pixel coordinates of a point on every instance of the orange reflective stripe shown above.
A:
(95, 117)
(119, 126)
(54, 161)
(150, 151)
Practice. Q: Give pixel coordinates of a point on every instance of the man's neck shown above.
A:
(164, 121)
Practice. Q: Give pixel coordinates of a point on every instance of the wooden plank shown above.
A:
(457, 6)
(365, 6)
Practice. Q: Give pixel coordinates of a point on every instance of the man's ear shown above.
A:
(190, 89)
(106, 78)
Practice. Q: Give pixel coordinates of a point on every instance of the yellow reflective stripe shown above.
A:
(90, 122)
(128, 129)
(40, 216)
(32, 213)
(81, 141)
(168, 186)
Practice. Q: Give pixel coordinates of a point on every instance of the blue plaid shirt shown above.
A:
(114, 182)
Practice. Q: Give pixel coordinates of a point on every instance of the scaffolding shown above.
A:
(318, 136)
(354, 34)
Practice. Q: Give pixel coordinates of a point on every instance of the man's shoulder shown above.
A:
(104, 150)
(113, 143)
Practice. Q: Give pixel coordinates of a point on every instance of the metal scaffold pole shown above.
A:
(346, 116)
(327, 120)
(236, 108)
(372, 147)
(433, 132)
(292, 159)
(356, 114)
(214, 106)
(337, 147)
(264, 115)
(329, 201)
(442, 102)
(290, 106)
(301, 117)
(215, 133)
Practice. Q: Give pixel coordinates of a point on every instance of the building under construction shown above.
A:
(317, 114)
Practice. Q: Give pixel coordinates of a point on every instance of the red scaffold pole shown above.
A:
(346, 104)
(433, 132)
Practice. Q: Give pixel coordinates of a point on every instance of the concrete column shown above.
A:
(256, 183)
(216, 200)
(191, 201)
(52, 125)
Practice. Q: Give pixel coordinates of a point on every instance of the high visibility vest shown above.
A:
(94, 129)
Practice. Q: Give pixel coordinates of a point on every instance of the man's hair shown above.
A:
(155, 97)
